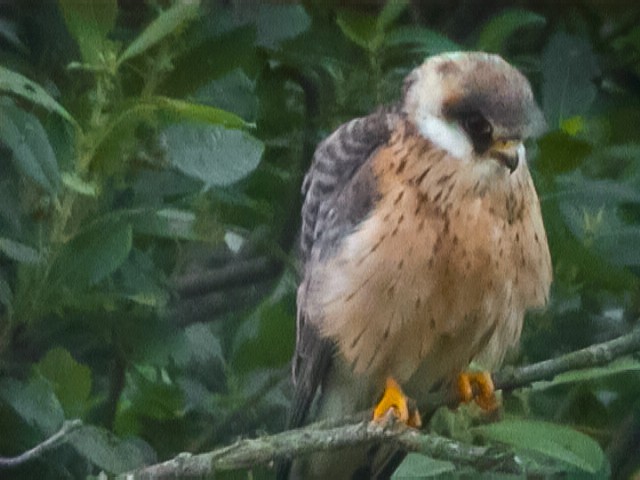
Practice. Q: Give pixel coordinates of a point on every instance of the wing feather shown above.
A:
(333, 169)
(339, 191)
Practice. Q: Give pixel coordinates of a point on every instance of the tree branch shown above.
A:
(356, 429)
(595, 355)
(511, 378)
(264, 450)
(52, 442)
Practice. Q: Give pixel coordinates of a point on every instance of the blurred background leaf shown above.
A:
(555, 441)
(501, 28)
(90, 23)
(213, 155)
(161, 27)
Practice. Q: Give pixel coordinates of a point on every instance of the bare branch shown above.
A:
(293, 443)
(356, 429)
(235, 274)
(596, 355)
(52, 442)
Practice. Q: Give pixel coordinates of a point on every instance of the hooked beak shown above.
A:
(507, 153)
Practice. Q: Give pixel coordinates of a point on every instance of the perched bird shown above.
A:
(422, 246)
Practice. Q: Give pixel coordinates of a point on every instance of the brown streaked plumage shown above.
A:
(422, 243)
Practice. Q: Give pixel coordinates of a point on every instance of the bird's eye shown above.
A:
(479, 130)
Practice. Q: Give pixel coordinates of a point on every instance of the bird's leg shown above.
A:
(483, 393)
(395, 400)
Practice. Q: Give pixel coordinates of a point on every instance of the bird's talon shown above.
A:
(394, 401)
(415, 420)
(484, 394)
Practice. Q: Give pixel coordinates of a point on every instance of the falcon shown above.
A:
(422, 247)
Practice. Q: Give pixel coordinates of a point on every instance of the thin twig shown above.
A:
(52, 442)
(596, 355)
(511, 378)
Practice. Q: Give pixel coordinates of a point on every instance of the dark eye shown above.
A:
(479, 130)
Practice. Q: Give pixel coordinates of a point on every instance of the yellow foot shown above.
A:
(483, 393)
(395, 400)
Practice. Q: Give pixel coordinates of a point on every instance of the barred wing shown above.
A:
(340, 190)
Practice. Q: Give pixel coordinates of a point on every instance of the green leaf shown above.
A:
(360, 28)
(368, 31)
(234, 47)
(628, 41)
(166, 111)
(21, 86)
(416, 465)
(554, 441)
(30, 149)
(621, 365)
(71, 381)
(164, 25)
(427, 42)
(141, 281)
(202, 347)
(600, 230)
(34, 402)
(10, 34)
(216, 156)
(93, 254)
(76, 184)
(560, 152)
(497, 31)
(151, 397)
(19, 251)
(264, 340)
(277, 23)
(6, 295)
(577, 190)
(390, 13)
(168, 223)
(619, 245)
(108, 452)
(176, 224)
(234, 92)
(154, 187)
(155, 110)
(181, 110)
(619, 161)
(568, 69)
(89, 22)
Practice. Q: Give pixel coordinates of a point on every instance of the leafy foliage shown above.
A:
(553, 441)
(149, 206)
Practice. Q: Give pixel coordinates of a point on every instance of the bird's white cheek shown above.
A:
(446, 136)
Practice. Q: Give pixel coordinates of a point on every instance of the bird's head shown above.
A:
(475, 106)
